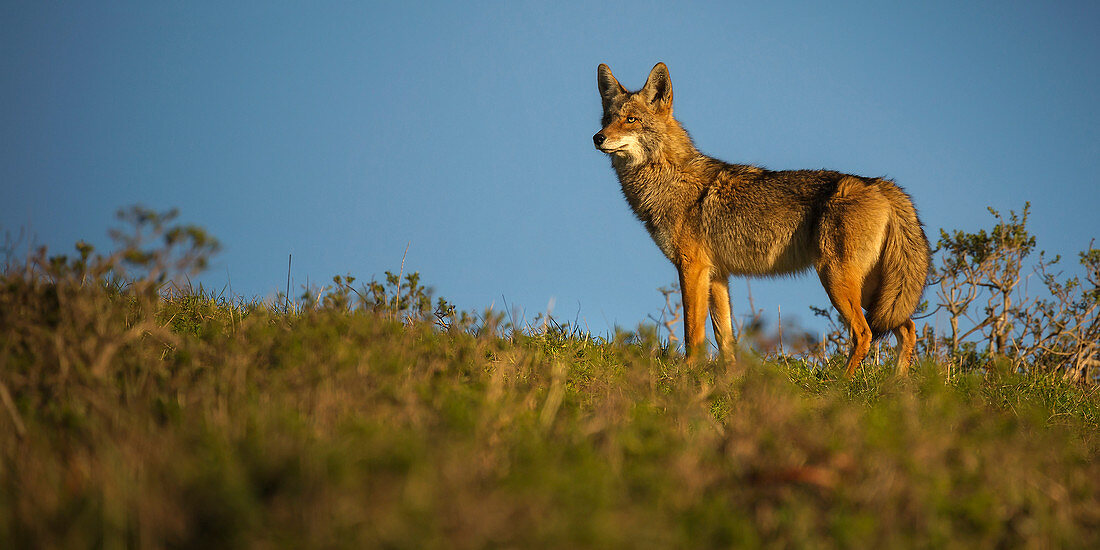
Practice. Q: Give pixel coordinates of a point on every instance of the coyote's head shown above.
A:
(638, 126)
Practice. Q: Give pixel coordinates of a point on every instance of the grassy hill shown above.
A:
(134, 413)
(138, 421)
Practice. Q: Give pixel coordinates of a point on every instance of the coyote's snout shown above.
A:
(713, 220)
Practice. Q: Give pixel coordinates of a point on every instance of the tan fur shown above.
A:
(712, 220)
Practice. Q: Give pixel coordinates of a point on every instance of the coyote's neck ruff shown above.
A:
(713, 219)
(654, 182)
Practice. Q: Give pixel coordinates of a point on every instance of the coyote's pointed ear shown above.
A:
(610, 88)
(658, 87)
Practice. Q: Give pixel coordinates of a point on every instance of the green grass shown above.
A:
(134, 421)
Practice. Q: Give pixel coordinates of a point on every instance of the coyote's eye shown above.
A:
(631, 120)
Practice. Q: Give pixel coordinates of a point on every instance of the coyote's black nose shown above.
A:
(598, 139)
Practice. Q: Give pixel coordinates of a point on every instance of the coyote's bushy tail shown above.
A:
(905, 261)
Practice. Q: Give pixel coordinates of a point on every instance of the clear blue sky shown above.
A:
(340, 132)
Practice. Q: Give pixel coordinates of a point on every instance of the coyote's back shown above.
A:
(713, 219)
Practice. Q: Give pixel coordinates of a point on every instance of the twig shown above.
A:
(400, 274)
(779, 314)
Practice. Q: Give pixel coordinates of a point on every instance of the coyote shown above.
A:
(712, 220)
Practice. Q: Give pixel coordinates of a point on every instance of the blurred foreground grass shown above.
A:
(235, 425)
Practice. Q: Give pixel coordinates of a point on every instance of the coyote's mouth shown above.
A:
(609, 150)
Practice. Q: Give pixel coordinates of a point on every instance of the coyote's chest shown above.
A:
(664, 236)
(662, 207)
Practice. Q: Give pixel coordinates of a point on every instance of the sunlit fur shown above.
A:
(713, 219)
